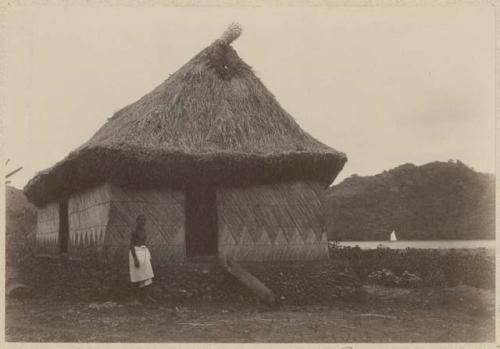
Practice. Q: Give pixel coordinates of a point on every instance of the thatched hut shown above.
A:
(211, 159)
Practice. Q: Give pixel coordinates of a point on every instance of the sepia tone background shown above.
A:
(64, 77)
(384, 85)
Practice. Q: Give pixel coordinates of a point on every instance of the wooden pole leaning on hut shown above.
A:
(247, 279)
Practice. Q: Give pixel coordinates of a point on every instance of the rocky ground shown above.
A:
(388, 314)
(68, 301)
(294, 283)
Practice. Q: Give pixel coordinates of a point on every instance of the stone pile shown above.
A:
(292, 282)
(388, 278)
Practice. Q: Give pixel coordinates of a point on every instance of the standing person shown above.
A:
(140, 268)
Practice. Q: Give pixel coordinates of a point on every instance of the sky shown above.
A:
(386, 86)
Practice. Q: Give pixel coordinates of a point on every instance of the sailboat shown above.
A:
(393, 237)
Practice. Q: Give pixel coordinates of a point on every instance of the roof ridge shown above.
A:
(213, 112)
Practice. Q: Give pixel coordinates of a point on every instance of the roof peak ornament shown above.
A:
(232, 33)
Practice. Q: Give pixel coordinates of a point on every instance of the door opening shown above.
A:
(201, 221)
(63, 226)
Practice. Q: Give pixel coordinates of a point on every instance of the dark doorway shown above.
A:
(63, 226)
(201, 221)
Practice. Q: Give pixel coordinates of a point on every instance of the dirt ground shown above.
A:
(459, 314)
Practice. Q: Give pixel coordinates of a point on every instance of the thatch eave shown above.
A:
(145, 168)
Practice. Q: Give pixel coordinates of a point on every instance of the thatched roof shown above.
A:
(213, 120)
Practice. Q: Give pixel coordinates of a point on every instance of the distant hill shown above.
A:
(436, 201)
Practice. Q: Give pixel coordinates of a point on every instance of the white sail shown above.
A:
(393, 236)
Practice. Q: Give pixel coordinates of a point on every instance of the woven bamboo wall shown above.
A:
(88, 213)
(165, 219)
(272, 222)
(48, 229)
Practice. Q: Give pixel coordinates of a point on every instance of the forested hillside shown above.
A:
(436, 201)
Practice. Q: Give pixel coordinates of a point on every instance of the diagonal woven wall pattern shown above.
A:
(281, 221)
(164, 211)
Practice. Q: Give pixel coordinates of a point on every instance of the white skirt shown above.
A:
(144, 273)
